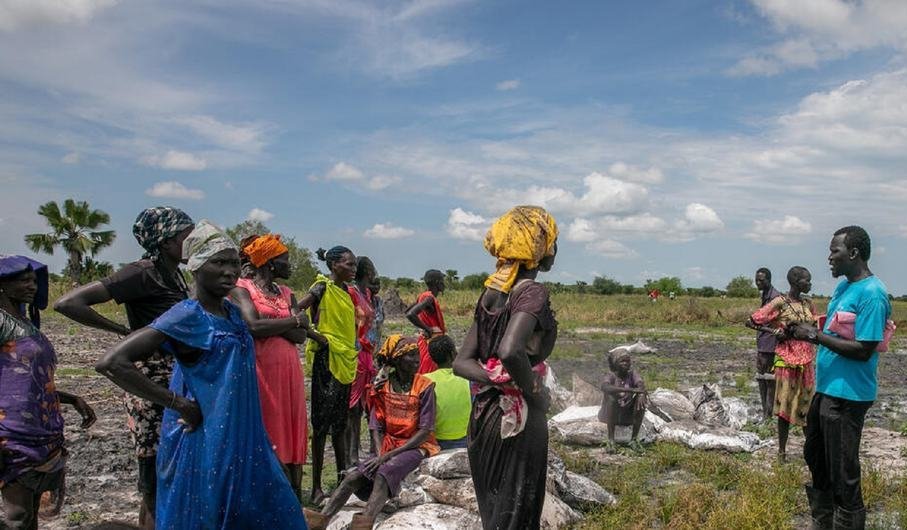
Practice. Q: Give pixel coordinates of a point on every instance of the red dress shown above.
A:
(432, 320)
(365, 369)
(281, 385)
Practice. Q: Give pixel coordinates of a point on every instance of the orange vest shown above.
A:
(399, 413)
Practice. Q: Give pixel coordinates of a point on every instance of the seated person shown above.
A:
(454, 402)
(402, 420)
(624, 402)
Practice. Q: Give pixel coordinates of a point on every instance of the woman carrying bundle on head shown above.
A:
(512, 334)
(334, 358)
(274, 319)
(402, 421)
(216, 468)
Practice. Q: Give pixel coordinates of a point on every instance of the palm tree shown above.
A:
(74, 230)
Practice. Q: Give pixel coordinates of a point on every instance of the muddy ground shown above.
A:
(101, 470)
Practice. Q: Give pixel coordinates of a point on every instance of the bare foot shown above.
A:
(317, 497)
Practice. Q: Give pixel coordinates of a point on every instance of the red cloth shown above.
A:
(365, 368)
(400, 414)
(431, 319)
(281, 385)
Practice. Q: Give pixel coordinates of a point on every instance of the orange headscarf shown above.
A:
(264, 248)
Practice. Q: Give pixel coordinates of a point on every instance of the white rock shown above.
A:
(344, 517)
(699, 436)
(582, 492)
(585, 394)
(709, 407)
(584, 433)
(636, 347)
(432, 517)
(572, 414)
(458, 492)
(737, 412)
(411, 494)
(673, 404)
(560, 396)
(556, 514)
(453, 463)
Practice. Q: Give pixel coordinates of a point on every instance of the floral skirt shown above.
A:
(794, 389)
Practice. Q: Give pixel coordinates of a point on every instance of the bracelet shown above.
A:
(172, 399)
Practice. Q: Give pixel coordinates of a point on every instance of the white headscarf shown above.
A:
(205, 241)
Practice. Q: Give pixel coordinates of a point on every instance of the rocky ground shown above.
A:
(101, 471)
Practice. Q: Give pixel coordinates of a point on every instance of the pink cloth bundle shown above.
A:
(843, 322)
(512, 402)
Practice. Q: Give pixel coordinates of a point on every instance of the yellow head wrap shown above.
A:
(522, 236)
(264, 248)
(397, 345)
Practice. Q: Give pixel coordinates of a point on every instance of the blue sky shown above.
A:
(693, 139)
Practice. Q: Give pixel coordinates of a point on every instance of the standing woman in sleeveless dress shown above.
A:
(277, 325)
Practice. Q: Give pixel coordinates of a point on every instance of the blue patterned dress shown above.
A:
(223, 475)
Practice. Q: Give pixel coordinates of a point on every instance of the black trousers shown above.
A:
(834, 427)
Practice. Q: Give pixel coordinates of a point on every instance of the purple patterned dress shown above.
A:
(31, 425)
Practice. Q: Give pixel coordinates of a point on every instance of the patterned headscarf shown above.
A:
(13, 265)
(264, 248)
(394, 346)
(523, 236)
(205, 241)
(155, 225)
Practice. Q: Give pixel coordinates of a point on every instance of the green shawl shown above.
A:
(337, 322)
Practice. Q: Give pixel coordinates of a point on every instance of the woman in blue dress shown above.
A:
(216, 468)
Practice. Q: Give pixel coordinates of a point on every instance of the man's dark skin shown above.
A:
(764, 363)
(436, 286)
(849, 263)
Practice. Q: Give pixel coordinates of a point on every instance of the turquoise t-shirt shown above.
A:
(846, 378)
(454, 404)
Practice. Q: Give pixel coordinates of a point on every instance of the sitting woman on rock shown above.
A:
(402, 422)
(624, 401)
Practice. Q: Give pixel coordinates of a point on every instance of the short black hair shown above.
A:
(766, 272)
(433, 275)
(856, 237)
(795, 271)
(442, 349)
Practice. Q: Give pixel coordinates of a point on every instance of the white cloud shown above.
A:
(581, 230)
(786, 231)
(605, 194)
(462, 224)
(257, 214)
(344, 172)
(176, 160)
(382, 182)
(71, 158)
(652, 175)
(174, 190)
(388, 231)
(697, 219)
(510, 84)
(611, 249)
(15, 14)
(813, 31)
(245, 138)
(228, 185)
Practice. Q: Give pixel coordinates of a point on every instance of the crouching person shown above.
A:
(402, 422)
(625, 398)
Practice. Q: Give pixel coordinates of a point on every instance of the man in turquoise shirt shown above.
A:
(846, 384)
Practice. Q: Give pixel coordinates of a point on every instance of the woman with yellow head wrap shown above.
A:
(521, 237)
(402, 421)
(513, 333)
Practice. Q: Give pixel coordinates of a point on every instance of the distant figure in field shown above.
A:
(426, 315)
(452, 395)
(794, 370)
(624, 401)
(855, 330)
(766, 342)
(654, 294)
